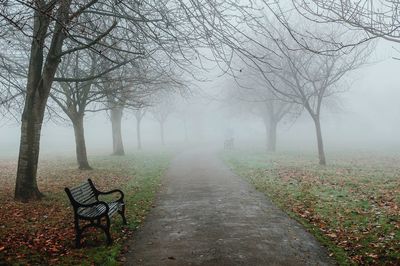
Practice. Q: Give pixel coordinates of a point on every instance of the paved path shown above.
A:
(206, 215)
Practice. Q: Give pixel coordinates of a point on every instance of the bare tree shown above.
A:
(137, 83)
(253, 95)
(116, 101)
(130, 94)
(306, 59)
(140, 112)
(272, 110)
(116, 112)
(125, 88)
(161, 110)
(313, 77)
(74, 98)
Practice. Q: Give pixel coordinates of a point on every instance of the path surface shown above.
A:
(206, 215)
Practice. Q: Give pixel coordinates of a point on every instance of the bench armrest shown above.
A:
(98, 192)
(121, 199)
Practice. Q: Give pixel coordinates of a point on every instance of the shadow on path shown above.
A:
(206, 215)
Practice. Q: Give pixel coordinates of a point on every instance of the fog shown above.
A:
(365, 117)
(218, 132)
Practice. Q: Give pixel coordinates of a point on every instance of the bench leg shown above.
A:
(122, 213)
(78, 233)
(78, 240)
(107, 231)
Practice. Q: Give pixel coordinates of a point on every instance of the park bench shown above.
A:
(87, 207)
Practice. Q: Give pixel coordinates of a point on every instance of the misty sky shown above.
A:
(365, 117)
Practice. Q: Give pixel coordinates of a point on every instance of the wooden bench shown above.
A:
(87, 207)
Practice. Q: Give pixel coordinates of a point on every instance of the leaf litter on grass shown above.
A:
(42, 232)
(354, 202)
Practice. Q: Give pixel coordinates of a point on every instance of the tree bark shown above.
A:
(80, 144)
(320, 143)
(116, 120)
(138, 134)
(26, 185)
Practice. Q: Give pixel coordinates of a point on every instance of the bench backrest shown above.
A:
(83, 194)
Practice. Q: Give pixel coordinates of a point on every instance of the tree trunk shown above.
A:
(162, 133)
(81, 154)
(321, 152)
(26, 185)
(116, 118)
(39, 82)
(271, 142)
(139, 138)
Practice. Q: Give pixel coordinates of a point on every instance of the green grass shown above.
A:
(351, 205)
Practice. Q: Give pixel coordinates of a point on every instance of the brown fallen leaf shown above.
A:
(333, 235)
(374, 256)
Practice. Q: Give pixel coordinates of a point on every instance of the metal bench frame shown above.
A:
(87, 206)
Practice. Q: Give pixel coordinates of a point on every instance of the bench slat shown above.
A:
(83, 193)
(92, 211)
(82, 185)
(113, 207)
(82, 188)
(97, 210)
(85, 198)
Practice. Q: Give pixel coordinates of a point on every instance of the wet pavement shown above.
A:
(207, 215)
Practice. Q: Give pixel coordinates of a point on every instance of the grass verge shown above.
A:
(351, 205)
